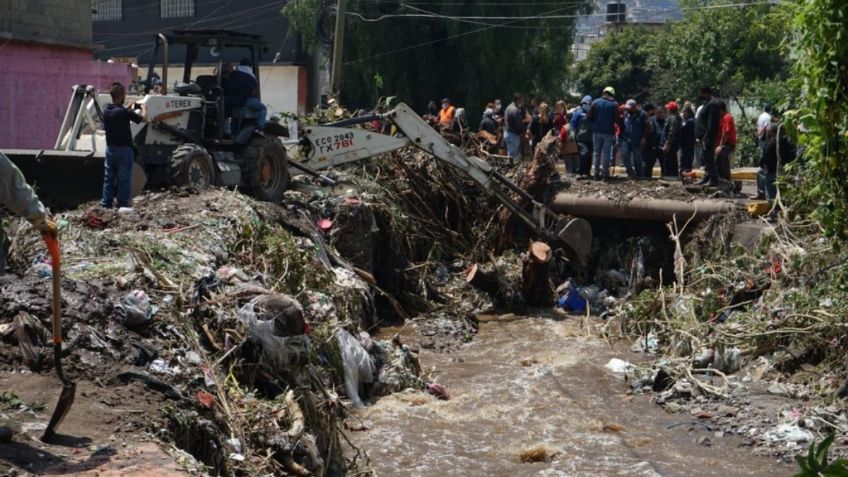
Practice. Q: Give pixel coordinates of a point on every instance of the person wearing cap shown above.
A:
(670, 141)
(19, 198)
(581, 128)
(726, 142)
(446, 114)
(603, 114)
(707, 127)
(637, 126)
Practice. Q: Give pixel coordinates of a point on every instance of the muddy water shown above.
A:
(528, 382)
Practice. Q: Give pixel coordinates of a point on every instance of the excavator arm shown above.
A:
(336, 144)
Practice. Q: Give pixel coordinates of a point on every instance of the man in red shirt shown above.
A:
(725, 143)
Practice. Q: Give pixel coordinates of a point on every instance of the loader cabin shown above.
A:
(229, 47)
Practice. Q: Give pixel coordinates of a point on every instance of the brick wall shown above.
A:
(62, 22)
(35, 87)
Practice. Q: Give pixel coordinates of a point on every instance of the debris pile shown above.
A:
(236, 313)
(751, 342)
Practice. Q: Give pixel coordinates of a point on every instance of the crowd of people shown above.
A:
(601, 132)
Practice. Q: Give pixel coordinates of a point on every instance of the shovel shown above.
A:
(69, 388)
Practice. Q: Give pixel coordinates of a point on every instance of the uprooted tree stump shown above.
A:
(535, 182)
(536, 278)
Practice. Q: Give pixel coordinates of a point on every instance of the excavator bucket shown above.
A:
(576, 233)
(66, 179)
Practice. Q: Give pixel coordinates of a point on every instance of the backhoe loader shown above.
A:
(189, 138)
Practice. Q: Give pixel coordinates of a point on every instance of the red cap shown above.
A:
(671, 106)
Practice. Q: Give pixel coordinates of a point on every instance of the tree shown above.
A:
(820, 50)
(725, 47)
(435, 55)
(728, 47)
(620, 60)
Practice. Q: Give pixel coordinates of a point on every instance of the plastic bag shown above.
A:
(279, 353)
(358, 366)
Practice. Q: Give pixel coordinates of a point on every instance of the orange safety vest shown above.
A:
(446, 116)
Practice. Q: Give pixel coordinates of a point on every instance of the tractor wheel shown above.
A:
(266, 171)
(191, 166)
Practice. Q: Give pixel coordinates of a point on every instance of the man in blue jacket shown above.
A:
(581, 128)
(634, 138)
(603, 114)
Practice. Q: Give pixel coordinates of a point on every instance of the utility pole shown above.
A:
(338, 45)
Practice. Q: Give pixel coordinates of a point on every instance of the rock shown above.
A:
(685, 389)
(705, 441)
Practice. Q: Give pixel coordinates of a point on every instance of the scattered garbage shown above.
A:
(618, 366)
(136, 309)
(789, 433)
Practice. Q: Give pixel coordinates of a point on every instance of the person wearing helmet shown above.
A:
(603, 114)
(20, 199)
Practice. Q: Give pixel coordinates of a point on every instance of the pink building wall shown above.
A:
(35, 87)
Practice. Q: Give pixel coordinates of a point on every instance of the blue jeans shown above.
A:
(603, 145)
(117, 180)
(258, 106)
(513, 144)
(628, 151)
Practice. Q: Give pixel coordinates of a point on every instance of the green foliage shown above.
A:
(471, 62)
(305, 17)
(820, 51)
(729, 48)
(621, 60)
(816, 464)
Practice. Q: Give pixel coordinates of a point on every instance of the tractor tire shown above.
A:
(191, 166)
(265, 175)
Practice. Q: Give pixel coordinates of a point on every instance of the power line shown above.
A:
(535, 17)
(545, 15)
(438, 40)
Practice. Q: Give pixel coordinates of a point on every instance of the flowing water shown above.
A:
(528, 382)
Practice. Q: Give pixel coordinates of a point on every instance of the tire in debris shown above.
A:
(191, 166)
(266, 170)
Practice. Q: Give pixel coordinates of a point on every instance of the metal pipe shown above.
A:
(164, 63)
(658, 210)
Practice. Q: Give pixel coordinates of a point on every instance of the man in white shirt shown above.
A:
(762, 125)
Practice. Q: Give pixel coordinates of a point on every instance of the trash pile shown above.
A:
(236, 313)
(751, 343)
